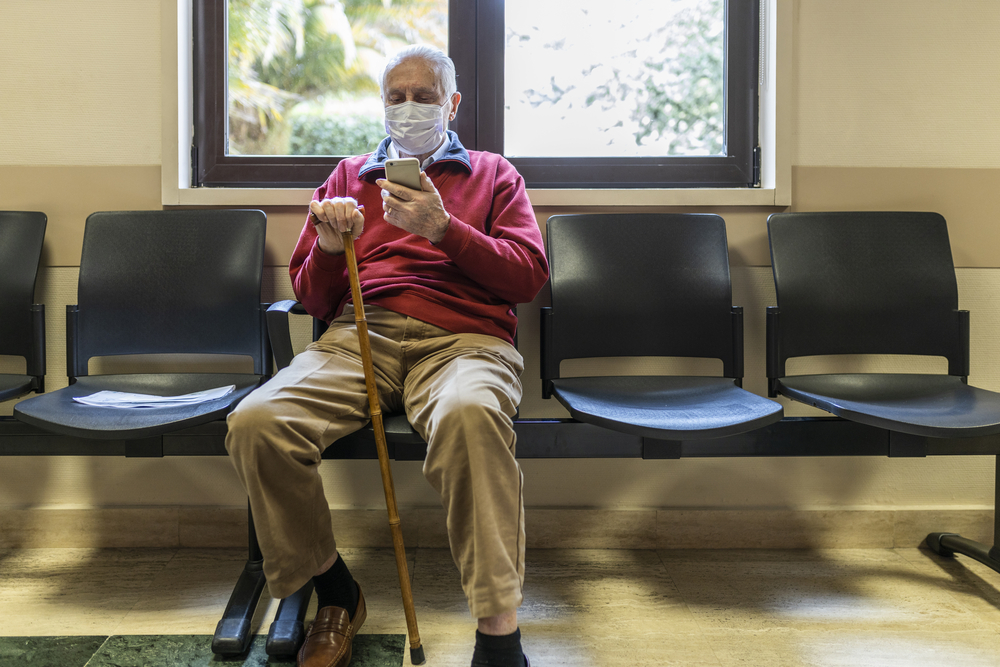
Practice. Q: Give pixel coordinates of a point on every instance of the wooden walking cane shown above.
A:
(416, 649)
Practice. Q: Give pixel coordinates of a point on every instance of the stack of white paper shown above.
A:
(120, 399)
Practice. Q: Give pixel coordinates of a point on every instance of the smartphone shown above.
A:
(403, 171)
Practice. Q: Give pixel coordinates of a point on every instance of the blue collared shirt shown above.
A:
(451, 150)
(429, 160)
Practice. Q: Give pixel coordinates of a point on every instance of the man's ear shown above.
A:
(455, 99)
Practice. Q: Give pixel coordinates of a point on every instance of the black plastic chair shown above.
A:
(157, 283)
(160, 282)
(287, 631)
(22, 322)
(647, 285)
(404, 443)
(879, 283)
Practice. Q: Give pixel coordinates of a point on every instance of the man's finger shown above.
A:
(315, 208)
(426, 184)
(389, 188)
(358, 218)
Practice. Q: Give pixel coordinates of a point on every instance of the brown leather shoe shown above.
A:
(330, 637)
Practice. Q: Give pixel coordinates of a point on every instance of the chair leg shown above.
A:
(232, 634)
(949, 544)
(287, 632)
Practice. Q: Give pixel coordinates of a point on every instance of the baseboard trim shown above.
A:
(209, 527)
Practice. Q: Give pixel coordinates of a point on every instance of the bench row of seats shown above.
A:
(622, 285)
(22, 322)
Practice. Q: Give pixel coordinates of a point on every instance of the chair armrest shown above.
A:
(962, 362)
(278, 331)
(736, 316)
(775, 363)
(36, 362)
(72, 361)
(549, 365)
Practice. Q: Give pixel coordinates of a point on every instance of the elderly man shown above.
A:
(441, 269)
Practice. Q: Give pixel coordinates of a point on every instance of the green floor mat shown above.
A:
(172, 651)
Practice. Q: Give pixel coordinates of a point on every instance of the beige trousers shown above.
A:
(459, 391)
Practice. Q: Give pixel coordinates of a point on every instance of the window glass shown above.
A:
(598, 79)
(303, 75)
(585, 94)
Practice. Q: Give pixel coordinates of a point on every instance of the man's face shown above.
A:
(413, 81)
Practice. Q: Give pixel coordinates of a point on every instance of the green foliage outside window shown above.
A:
(326, 134)
(303, 74)
(643, 79)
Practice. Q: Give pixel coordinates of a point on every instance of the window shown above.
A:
(653, 93)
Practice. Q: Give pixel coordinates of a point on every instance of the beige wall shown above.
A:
(81, 82)
(893, 108)
(897, 83)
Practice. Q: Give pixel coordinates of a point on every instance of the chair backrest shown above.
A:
(22, 234)
(864, 283)
(640, 285)
(170, 282)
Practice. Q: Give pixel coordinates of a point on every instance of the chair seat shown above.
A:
(666, 408)
(12, 386)
(929, 405)
(57, 411)
(397, 429)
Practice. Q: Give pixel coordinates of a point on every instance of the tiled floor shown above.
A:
(600, 608)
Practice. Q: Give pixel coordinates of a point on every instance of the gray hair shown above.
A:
(440, 63)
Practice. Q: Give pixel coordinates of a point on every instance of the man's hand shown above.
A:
(419, 212)
(333, 217)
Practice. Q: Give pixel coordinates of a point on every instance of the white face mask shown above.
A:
(414, 128)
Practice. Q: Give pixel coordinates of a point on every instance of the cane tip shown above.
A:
(417, 655)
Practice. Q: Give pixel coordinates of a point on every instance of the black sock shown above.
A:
(336, 588)
(498, 650)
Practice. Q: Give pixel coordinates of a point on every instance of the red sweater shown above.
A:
(490, 259)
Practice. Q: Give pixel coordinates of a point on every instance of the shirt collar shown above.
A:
(451, 150)
(431, 159)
